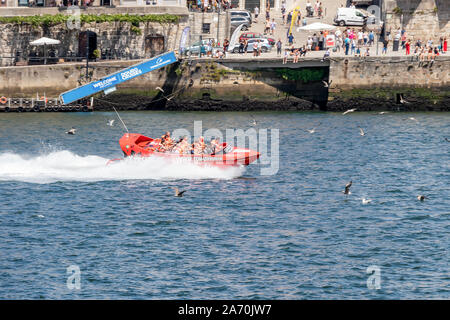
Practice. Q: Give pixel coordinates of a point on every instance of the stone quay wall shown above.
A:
(344, 74)
(422, 19)
(117, 37)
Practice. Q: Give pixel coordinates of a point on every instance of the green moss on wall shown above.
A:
(305, 75)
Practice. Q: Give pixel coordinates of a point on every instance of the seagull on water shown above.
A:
(71, 131)
(111, 123)
(254, 122)
(446, 139)
(413, 119)
(383, 112)
(347, 188)
(178, 193)
(366, 201)
(350, 110)
(421, 197)
(313, 130)
(361, 132)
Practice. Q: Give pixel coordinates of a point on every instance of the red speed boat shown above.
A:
(133, 144)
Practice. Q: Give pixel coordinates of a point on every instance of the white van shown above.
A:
(350, 17)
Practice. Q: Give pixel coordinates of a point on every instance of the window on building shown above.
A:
(206, 28)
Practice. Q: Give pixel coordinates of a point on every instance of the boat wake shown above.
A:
(67, 166)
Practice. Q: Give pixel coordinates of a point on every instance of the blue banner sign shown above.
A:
(118, 77)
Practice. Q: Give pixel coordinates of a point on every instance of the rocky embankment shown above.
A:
(363, 100)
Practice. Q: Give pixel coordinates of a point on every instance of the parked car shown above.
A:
(202, 46)
(265, 46)
(241, 13)
(237, 21)
(350, 17)
(253, 35)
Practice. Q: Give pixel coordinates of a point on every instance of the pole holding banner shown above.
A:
(116, 78)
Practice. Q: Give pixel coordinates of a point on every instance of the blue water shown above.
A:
(236, 233)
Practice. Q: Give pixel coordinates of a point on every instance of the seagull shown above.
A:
(254, 122)
(178, 193)
(71, 131)
(383, 112)
(446, 139)
(413, 119)
(403, 101)
(111, 123)
(361, 132)
(158, 88)
(366, 201)
(347, 188)
(312, 130)
(421, 197)
(348, 111)
(327, 84)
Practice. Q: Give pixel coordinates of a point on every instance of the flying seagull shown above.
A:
(158, 88)
(347, 188)
(71, 131)
(110, 123)
(361, 132)
(403, 101)
(421, 197)
(178, 193)
(348, 111)
(327, 84)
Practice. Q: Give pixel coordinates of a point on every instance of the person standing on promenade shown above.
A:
(267, 27)
(290, 39)
(226, 43)
(245, 46)
(371, 38)
(256, 14)
(347, 44)
(255, 49)
(408, 47)
(445, 44)
(283, 12)
(385, 46)
(321, 41)
(316, 7)
(279, 45)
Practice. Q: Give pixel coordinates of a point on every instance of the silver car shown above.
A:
(265, 45)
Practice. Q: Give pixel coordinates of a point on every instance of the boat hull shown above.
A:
(134, 144)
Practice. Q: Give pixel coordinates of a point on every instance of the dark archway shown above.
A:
(154, 44)
(83, 44)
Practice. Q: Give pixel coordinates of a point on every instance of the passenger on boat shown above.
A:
(166, 142)
(214, 146)
(199, 146)
(182, 146)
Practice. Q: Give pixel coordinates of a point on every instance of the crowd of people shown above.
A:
(182, 146)
(209, 5)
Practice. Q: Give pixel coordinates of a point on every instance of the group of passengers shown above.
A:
(182, 146)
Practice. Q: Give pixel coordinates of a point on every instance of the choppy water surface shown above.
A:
(236, 234)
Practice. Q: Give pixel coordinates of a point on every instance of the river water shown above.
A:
(237, 233)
